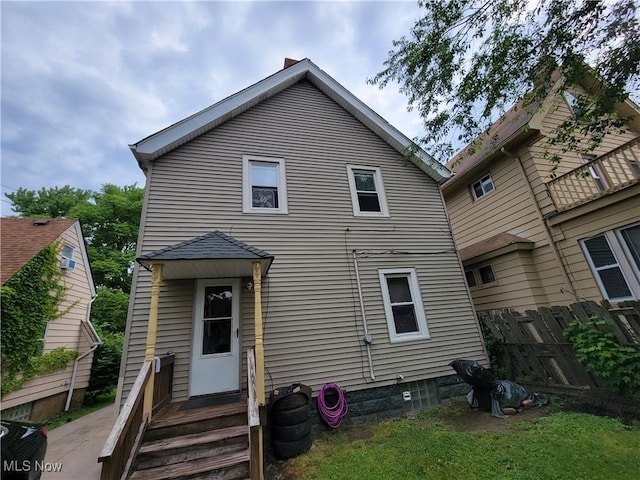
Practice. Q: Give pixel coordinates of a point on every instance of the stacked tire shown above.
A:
(291, 425)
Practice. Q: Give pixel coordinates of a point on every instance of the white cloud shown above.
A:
(81, 81)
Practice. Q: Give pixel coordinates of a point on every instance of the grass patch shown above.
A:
(559, 446)
(66, 417)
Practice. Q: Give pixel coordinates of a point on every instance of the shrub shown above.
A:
(600, 352)
(106, 365)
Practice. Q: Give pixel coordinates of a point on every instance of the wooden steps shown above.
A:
(202, 443)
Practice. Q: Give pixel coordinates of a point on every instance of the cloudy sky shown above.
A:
(83, 80)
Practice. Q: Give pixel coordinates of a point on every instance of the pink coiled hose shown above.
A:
(332, 415)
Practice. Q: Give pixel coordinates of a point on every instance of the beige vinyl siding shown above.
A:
(40, 387)
(507, 209)
(610, 217)
(64, 331)
(312, 321)
(517, 284)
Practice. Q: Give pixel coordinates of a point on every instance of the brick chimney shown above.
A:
(289, 61)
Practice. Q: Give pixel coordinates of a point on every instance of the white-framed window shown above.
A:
(614, 258)
(264, 185)
(403, 304)
(482, 186)
(367, 191)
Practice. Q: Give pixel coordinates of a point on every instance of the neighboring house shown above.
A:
(360, 281)
(46, 395)
(529, 239)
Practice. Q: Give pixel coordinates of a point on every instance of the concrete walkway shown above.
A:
(75, 447)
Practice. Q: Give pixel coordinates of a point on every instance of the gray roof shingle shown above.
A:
(211, 246)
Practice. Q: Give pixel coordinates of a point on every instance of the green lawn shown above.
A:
(562, 445)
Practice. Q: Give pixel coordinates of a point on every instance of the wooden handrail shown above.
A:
(135, 397)
(121, 444)
(600, 176)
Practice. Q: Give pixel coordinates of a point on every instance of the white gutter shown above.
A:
(367, 338)
(94, 345)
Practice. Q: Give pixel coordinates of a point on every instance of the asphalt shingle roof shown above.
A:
(490, 245)
(23, 238)
(211, 246)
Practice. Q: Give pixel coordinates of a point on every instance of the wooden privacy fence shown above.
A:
(538, 353)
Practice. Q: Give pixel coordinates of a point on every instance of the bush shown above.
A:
(600, 352)
(106, 365)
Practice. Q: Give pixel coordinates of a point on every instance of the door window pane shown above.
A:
(216, 336)
(217, 301)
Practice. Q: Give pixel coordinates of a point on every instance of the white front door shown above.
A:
(215, 360)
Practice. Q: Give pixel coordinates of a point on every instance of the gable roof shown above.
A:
(23, 238)
(206, 253)
(191, 127)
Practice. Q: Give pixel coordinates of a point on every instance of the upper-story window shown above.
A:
(594, 172)
(482, 186)
(264, 185)
(67, 262)
(573, 103)
(367, 191)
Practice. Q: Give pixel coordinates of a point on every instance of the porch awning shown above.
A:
(213, 255)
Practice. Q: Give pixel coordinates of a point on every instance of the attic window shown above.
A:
(264, 185)
(573, 103)
(67, 263)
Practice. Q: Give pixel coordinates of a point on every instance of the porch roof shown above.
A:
(213, 255)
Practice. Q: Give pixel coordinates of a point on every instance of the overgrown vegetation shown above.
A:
(465, 62)
(559, 446)
(600, 352)
(110, 219)
(30, 299)
(498, 357)
(106, 364)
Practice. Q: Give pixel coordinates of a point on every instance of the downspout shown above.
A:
(552, 243)
(94, 345)
(367, 339)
